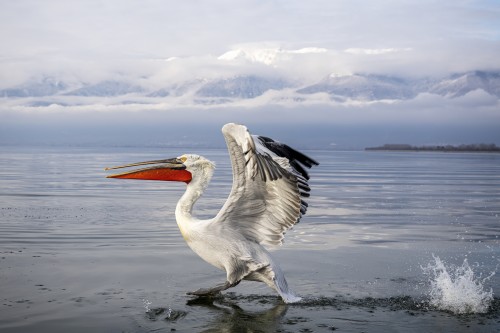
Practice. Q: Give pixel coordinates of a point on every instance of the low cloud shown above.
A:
(91, 40)
(163, 44)
(358, 51)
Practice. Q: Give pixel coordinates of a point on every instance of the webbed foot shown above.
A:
(210, 292)
(204, 292)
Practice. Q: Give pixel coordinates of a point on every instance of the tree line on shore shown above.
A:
(477, 147)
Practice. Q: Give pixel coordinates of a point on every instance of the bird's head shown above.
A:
(181, 169)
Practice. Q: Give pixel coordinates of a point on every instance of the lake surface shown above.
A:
(82, 253)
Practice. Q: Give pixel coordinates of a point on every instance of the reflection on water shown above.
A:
(79, 252)
(230, 317)
(268, 314)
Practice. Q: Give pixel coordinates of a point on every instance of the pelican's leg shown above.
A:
(215, 290)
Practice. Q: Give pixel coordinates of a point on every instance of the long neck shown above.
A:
(194, 190)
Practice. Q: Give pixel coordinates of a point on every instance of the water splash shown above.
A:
(163, 313)
(146, 303)
(457, 288)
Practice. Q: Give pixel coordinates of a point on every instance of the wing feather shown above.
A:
(269, 182)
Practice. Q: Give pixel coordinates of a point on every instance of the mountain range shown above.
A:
(363, 87)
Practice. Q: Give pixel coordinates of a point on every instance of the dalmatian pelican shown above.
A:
(270, 183)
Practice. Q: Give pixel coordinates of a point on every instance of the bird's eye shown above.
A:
(183, 159)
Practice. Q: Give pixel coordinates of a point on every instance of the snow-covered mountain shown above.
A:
(267, 56)
(247, 75)
(46, 86)
(243, 88)
(461, 84)
(106, 88)
(363, 87)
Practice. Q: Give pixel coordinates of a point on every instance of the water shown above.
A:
(79, 252)
(458, 289)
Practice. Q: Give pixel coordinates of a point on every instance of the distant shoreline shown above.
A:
(471, 148)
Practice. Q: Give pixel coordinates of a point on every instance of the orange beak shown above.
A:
(167, 170)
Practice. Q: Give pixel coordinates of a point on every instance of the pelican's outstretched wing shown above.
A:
(269, 184)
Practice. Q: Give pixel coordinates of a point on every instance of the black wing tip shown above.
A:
(299, 163)
(293, 155)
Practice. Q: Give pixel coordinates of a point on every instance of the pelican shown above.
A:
(266, 199)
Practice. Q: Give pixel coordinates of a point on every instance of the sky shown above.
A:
(96, 34)
(92, 40)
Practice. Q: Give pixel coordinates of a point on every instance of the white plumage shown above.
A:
(269, 182)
